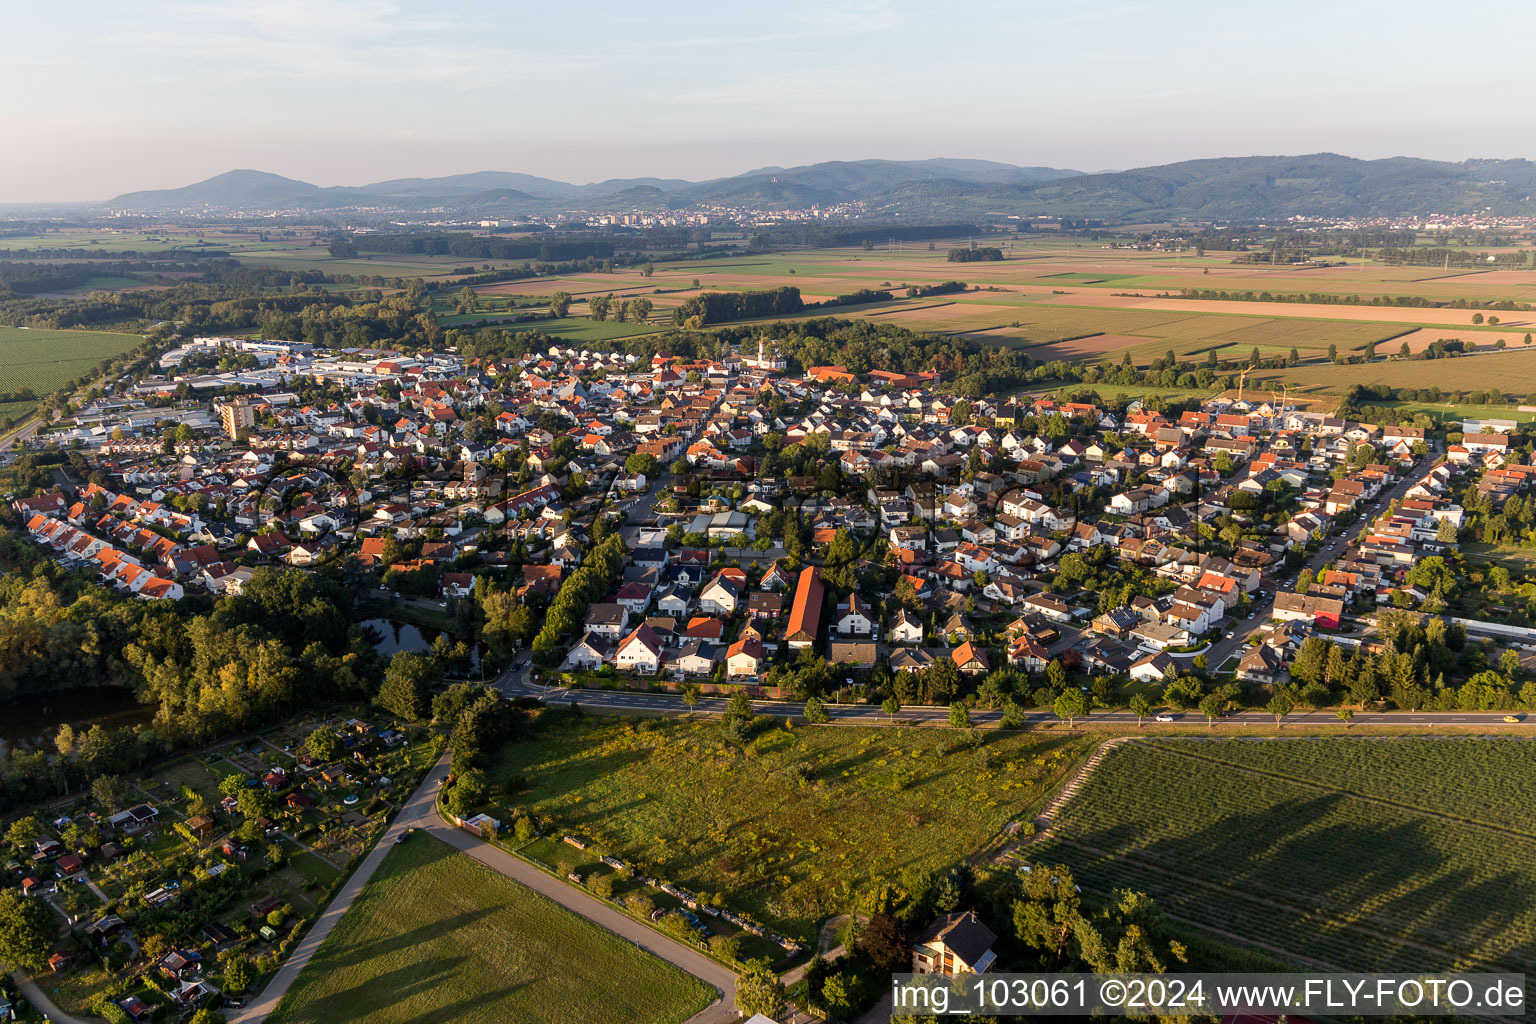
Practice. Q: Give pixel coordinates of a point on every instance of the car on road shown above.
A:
(1165, 718)
(1512, 719)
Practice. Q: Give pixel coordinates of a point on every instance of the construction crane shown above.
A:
(1240, 379)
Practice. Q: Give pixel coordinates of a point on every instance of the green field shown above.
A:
(1515, 559)
(1513, 372)
(577, 328)
(45, 360)
(438, 937)
(790, 826)
(1354, 854)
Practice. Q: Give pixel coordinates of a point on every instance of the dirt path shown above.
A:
(40, 1001)
(1058, 800)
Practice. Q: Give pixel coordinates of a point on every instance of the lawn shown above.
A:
(792, 825)
(436, 936)
(44, 360)
(1351, 854)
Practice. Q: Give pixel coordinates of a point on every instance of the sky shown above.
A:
(101, 98)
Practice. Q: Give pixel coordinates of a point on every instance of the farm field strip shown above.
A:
(1266, 823)
(1188, 750)
(1512, 372)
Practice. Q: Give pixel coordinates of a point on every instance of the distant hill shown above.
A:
(1231, 188)
(231, 190)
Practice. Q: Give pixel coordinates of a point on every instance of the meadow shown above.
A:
(437, 937)
(1406, 854)
(791, 826)
(44, 360)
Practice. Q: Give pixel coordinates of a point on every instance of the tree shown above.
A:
(690, 695)
(1140, 707)
(959, 716)
(1280, 705)
(1477, 318)
(890, 707)
(759, 990)
(1304, 581)
(1071, 704)
(323, 744)
(1056, 674)
(1211, 706)
(815, 711)
(237, 973)
(638, 309)
(599, 305)
(1013, 714)
(404, 693)
(1344, 715)
(109, 791)
(835, 999)
(22, 833)
(883, 941)
(559, 304)
(26, 930)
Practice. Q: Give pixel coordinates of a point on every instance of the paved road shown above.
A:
(867, 715)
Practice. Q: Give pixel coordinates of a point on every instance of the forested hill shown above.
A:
(1231, 188)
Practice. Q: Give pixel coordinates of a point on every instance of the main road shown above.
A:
(514, 683)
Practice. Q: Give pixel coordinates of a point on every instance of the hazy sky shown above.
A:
(98, 98)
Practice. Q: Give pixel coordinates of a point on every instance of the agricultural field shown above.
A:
(1351, 854)
(789, 826)
(1513, 372)
(44, 360)
(436, 937)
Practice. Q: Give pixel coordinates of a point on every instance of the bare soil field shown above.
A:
(1302, 310)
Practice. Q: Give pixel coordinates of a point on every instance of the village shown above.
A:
(871, 521)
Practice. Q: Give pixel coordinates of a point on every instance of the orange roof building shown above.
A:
(805, 615)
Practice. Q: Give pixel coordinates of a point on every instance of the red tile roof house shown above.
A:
(805, 616)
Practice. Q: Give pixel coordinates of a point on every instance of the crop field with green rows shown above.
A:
(45, 360)
(1350, 854)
